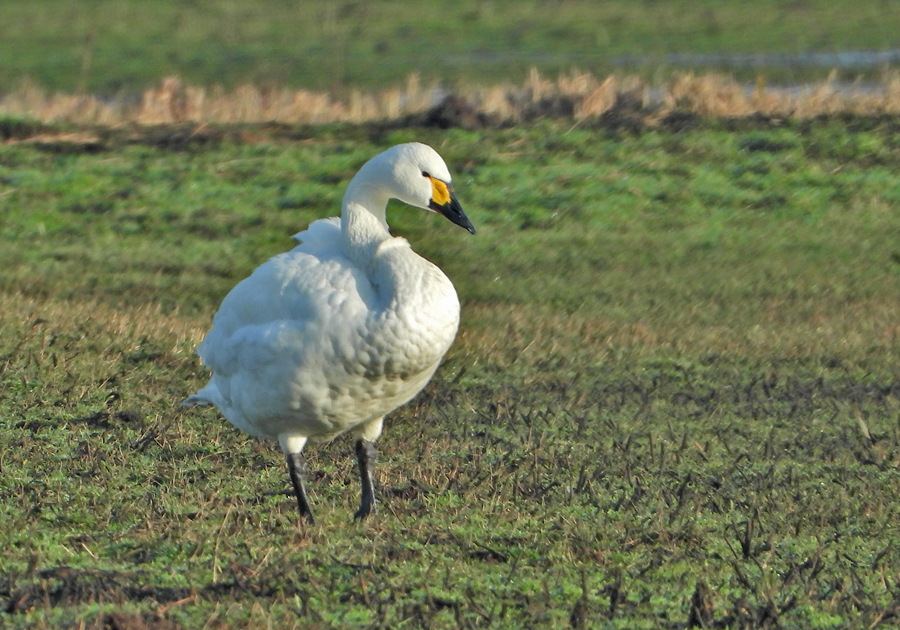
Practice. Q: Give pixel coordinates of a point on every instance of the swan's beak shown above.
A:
(444, 202)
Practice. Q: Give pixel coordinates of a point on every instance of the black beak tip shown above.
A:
(460, 219)
(454, 213)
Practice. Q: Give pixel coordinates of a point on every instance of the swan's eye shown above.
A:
(425, 174)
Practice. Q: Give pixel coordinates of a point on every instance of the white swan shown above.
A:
(344, 328)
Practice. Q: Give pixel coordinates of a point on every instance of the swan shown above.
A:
(344, 328)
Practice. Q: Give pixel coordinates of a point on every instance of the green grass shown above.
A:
(677, 364)
(118, 45)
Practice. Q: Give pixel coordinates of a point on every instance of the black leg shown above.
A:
(297, 468)
(365, 455)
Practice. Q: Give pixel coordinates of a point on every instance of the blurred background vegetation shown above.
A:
(115, 46)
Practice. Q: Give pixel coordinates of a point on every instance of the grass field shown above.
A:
(123, 46)
(673, 401)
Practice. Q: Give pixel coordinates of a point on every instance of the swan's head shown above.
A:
(417, 175)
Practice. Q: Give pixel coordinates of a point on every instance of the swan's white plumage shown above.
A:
(342, 329)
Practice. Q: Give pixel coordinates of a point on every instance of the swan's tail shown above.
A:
(196, 400)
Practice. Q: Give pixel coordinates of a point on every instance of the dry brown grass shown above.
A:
(718, 96)
(80, 319)
(586, 96)
(777, 327)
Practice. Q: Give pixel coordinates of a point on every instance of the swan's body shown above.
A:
(344, 328)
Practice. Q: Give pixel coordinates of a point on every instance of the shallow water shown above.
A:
(842, 60)
(849, 59)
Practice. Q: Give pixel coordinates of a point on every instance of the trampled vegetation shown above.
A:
(674, 399)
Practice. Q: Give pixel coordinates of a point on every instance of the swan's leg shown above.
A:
(365, 455)
(297, 468)
(292, 445)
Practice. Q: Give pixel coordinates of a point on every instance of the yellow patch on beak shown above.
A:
(440, 194)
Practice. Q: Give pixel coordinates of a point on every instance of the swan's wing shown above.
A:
(321, 234)
(296, 285)
(276, 324)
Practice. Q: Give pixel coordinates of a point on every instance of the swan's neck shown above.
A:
(363, 221)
